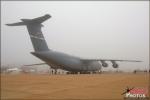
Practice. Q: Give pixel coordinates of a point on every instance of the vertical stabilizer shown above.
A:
(34, 29)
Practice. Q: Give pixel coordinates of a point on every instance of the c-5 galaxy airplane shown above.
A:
(58, 60)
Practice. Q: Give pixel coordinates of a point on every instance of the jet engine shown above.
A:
(104, 64)
(114, 64)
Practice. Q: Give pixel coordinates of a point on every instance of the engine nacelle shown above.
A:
(104, 64)
(114, 64)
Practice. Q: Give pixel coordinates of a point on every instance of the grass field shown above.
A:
(62, 87)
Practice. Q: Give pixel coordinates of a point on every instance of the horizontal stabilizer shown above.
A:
(16, 24)
(41, 19)
(33, 21)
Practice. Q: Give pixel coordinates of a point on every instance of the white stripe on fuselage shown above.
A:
(36, 37)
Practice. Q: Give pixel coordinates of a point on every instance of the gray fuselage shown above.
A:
(67, 62)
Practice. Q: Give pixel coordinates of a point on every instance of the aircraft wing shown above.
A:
(111, 60)
(36, 64)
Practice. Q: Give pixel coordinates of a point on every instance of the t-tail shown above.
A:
(34, 29)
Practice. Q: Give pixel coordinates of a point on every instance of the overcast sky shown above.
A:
(88, 29)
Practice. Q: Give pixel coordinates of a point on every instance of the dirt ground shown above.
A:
(62, 87)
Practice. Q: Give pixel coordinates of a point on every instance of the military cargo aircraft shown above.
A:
(58, 60)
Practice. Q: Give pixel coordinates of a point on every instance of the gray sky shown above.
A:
(88, 29)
